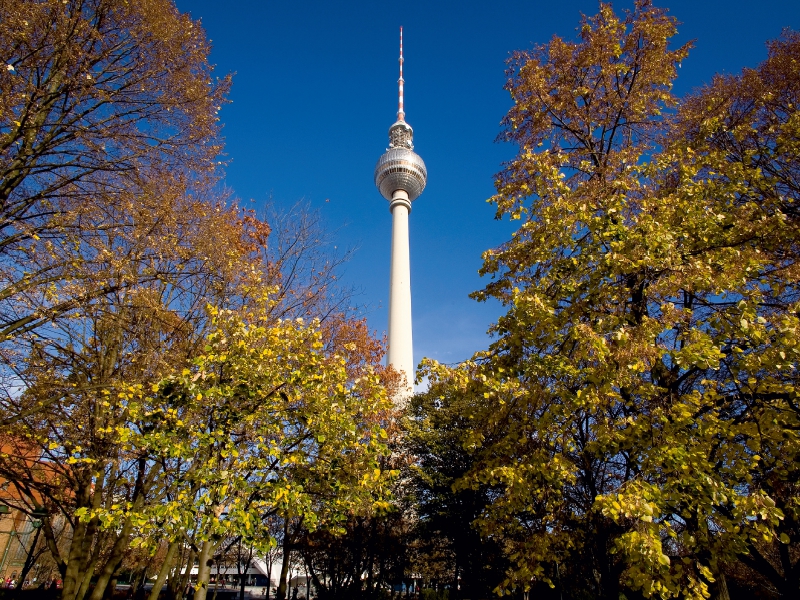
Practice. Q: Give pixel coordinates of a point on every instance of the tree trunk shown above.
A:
(216, 583)
(111, 588)
(720, 591)
(242, 575)
(269, 573)
(28, 561)
(136, 579)
(75, 563)
(310, 572)
(455, 595)
(52, 546)
(80, 564)
(371, 558)
(205, 561)
(113, 562)
(87, 580)
(183, 580)
(165, 568)
(281, 594)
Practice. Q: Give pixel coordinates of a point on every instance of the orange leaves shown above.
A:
(108, 106)
(589, 102)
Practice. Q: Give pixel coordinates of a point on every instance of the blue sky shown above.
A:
(315, 91)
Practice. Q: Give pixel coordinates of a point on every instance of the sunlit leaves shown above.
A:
(639, 416)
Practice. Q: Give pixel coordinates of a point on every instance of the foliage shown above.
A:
(266, 422)
(367, 555)
(99, 100)
(639, 416)
(370, 552)
(447, 550)
(161, 387)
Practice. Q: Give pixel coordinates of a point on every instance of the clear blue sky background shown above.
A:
(315, 91)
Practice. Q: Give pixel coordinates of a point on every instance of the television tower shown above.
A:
(400, 175)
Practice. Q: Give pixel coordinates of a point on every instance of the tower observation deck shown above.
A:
(400, 175)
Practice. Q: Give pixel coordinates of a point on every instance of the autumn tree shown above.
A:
(743, 130)
(445, 547)
(638, 417)
(267, 423)
(98, 99)
(114, 242)
(76, 381)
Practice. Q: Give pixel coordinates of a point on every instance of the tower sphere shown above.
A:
(400, 169)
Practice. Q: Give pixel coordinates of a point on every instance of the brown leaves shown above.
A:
(97, 100)
(589, 103)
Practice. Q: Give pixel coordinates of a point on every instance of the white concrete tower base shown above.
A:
(401, 350)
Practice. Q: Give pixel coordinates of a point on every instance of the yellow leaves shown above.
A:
(646, 295)
(272, 388)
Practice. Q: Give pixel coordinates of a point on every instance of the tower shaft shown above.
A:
(400, 352)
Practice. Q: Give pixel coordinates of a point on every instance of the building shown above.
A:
(20, 520)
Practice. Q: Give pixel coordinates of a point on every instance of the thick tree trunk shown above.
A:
(75, 563)
(281, 594)
(205, 560)
(165, 569)
(86, 581)
(80, 563)
(113, 561)
(111, 588)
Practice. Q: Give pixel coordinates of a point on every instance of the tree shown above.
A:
(744, 130)
(447, 548)
(98, 100)
(93, 447)
(267, 423)
(639, 405)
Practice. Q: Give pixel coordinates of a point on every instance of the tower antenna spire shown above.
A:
(401, 113)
